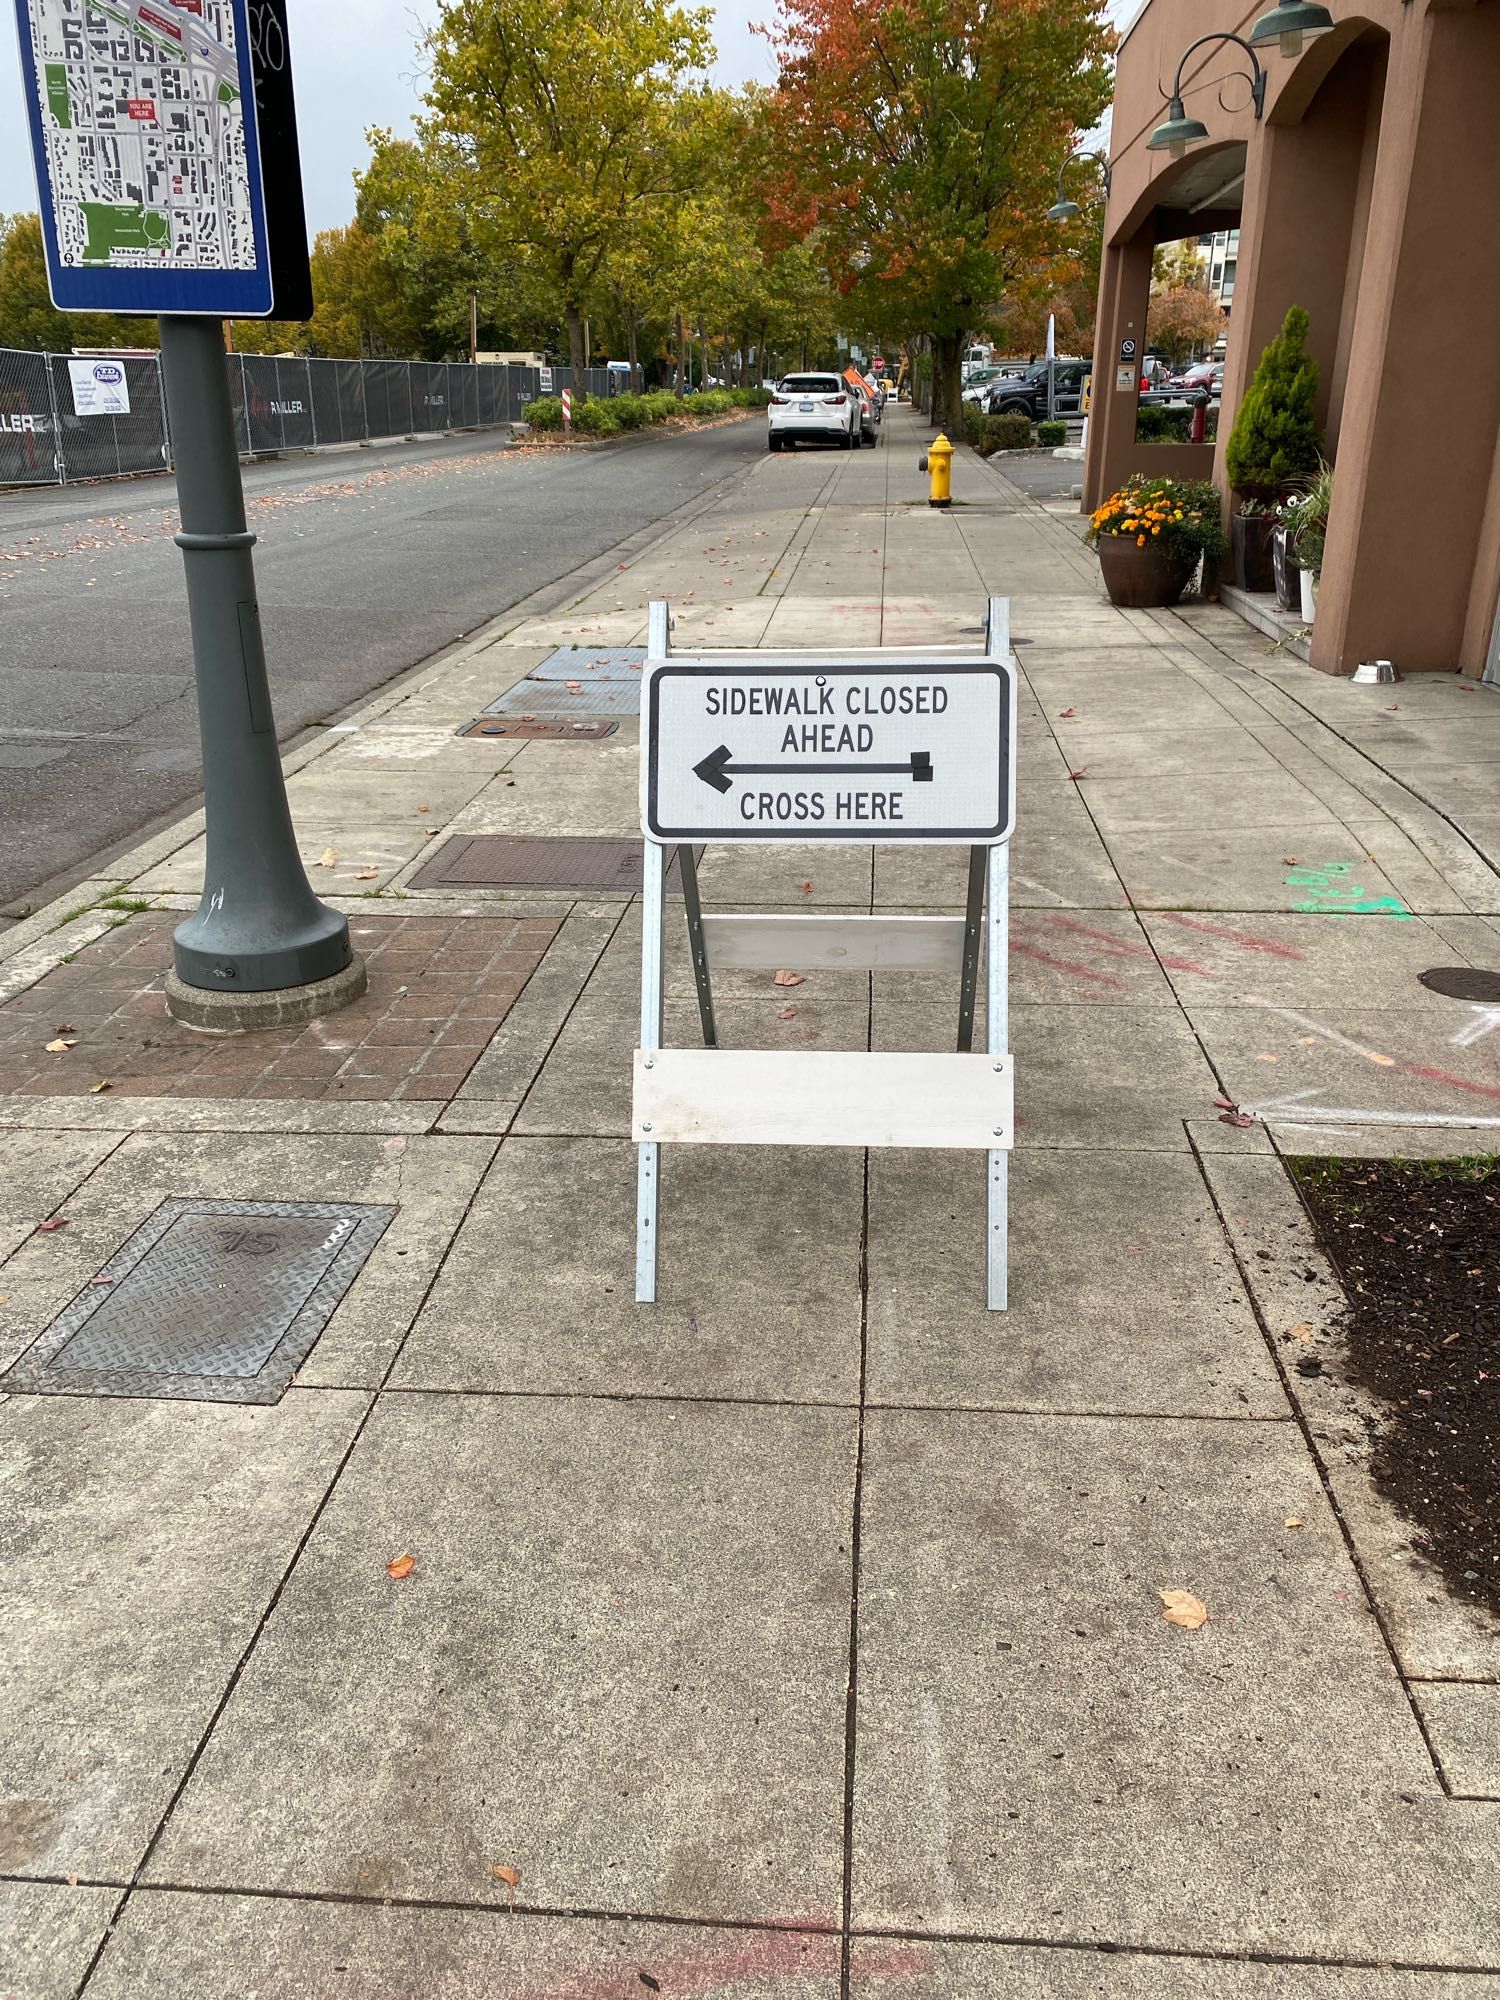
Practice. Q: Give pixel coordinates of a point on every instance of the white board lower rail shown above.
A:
(814, 1097)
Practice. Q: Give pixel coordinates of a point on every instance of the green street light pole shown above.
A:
(260, 948)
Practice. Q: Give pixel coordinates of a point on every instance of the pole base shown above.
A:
(281, 1007)
(940, 503)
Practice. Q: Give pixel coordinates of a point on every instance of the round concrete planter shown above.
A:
(1139, 579)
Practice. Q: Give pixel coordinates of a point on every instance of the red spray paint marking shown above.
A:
(709, 1968)
(1064, 964)
(1247, 938)
(1122, 949)
(1454, 1082)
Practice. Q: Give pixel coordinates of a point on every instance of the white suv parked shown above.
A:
(813, 406)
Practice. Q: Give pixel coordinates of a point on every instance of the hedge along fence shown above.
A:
(987, 435)
(608, 417)
(1156, 424)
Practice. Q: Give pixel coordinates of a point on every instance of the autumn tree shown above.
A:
(562, 117)
(1182, 319)
(921, 140)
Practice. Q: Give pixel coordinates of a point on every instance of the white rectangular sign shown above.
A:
(100, 388)
(779, 749)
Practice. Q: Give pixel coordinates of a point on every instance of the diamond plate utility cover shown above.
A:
(609, 683)
(1464, 982)
(522, 861)
(550, 699)
(585, 663)
(214, 1301)
(533, 727)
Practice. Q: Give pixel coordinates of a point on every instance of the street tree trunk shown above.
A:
(632, 354)
(574, 320)
(681, 344)
(947, 384)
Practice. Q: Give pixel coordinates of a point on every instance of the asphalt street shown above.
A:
(368, 562)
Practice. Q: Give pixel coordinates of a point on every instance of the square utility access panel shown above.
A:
(213, 1301)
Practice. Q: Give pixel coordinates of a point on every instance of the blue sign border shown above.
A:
(154, 289)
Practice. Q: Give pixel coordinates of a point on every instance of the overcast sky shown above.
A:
(346, 83)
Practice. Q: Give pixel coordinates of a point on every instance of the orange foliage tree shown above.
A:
(1181, 318)
(916, 144)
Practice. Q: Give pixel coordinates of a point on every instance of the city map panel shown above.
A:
(150, 163)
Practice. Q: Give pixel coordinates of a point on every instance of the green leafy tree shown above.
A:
(1276, 442)
(28, 317)
(563, 116)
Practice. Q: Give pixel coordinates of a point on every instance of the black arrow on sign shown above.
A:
(716, 769)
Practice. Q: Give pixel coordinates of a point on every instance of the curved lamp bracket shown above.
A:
(1255, 76)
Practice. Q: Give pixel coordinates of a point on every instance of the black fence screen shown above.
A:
(65, 417)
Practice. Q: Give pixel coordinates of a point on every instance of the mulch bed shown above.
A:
(1415, 1243)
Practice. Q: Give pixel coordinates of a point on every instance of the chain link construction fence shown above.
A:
(280, 404)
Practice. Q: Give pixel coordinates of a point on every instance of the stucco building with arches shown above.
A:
(1366, 188)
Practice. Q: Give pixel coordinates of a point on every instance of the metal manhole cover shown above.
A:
(216, 1301)
(1464, 982)
(524, 861)
(533, 726)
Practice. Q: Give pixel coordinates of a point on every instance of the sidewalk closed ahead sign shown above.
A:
(768, 750)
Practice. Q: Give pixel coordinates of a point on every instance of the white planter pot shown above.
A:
(1309, 595)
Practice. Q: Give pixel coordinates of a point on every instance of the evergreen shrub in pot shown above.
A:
(1275, 444)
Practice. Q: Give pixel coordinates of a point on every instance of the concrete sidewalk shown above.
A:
(799, 1635)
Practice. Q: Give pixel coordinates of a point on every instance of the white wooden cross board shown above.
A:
(897, 746)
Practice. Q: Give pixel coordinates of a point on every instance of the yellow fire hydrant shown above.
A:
(940, 471)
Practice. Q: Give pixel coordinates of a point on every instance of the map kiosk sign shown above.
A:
(147, 151)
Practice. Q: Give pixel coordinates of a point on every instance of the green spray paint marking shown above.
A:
(1336, 896)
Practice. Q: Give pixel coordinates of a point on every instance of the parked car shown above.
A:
(869, 413)
(813, 406)
(1201, 375)
(1046, 389)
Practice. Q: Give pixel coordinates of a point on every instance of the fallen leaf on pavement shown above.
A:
(328, 858)
(504, 1872)
(807, 888)
(1290, 860)
(574, 687)
(1183, 1609)
(1301, 1331)
(1076, 775)
(63, 1028)
(1292, 1521)
(400, 1566)
(103, 1084)
(1242, 1119)
(787, 1014)
(424, 809)
(1225, 1104)
(366, 874)
(1065, 713)
(1264, 1055)
(785, 978)
(646, 1980)
(101, 1281)
(54, 1222)
(59, 1048)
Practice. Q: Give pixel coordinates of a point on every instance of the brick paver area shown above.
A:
(439, 987)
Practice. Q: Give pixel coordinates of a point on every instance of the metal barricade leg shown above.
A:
(997, 1217)
(648, 1169)
(697, 944)
(973, 944)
